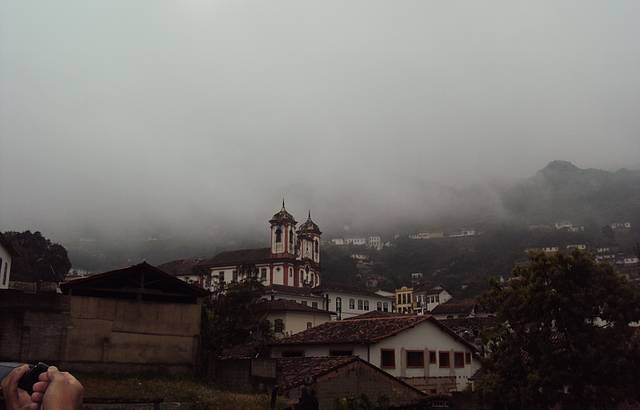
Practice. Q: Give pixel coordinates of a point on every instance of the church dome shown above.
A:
(282, 217)
(309, 226)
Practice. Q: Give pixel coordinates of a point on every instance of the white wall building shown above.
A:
(288, 317)
(428, 297)
(579, 246)
(348, 303)
(375, 242)
(426, 235)
(355, 241)
(417, 349)
(6, 256)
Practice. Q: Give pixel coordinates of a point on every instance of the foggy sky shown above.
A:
(116, 115)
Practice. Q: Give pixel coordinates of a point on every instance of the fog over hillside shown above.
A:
(189, 121)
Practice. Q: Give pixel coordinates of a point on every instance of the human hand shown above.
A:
(58, 391)
(14, 397)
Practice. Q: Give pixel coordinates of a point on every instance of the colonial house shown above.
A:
(6, 256)
(404, 300)
(293, 259)
(287, 317)
(427, 297)
(349, 302)
(419, 350)
(345, 302)
(333, 379)
(305, 296)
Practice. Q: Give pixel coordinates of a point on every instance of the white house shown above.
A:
(355, 241)
(417, 349)
(287, 317)
(305, 296)
(616, 226)
(579, 246)
(428, 297)
(462, 233)
(350, 302)
(374, 242)
(426, 235)
(6, 255)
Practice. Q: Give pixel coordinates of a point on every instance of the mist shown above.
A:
(192, 118)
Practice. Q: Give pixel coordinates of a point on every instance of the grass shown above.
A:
(177, 389)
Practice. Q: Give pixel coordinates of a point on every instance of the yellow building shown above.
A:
(404, 300)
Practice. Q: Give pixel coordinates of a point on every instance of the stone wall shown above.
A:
(99, 334)
(33, 327)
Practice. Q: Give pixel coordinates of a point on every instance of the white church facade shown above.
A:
(293, 259)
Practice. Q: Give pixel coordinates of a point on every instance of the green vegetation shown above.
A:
(231, 320)
(564, 336)
(178, 389)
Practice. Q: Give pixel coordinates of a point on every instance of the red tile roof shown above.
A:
(454, 306)
(293, 371)
(230, 258)
(377, 314)
(364, 331)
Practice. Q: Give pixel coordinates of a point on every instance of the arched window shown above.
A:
(278, 235)
(317, 246)
(291, 237)
(278, 326)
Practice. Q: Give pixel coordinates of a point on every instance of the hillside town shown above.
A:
(417, 343)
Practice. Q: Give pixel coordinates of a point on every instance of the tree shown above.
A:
(231, 320)
(38, 258)
(563, 336)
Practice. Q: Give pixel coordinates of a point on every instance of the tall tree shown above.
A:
(564, 336)
(231, 319)
(38, 258)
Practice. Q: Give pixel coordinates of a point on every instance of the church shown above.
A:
(293, 259)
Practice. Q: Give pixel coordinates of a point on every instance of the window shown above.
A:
(304, 302)
(309, 325)
(360, 304)
(385, 307)
(290, 236)
(415, 358)
(278, 326)
(340, 352)
(317, 246)
(234, 275)
(467, 357)
(314, 304)
(458, 359)
(263, 274)
(339, 304)
(432, 357)
(398, 296)
(352, 304)
(387, 358)
(293, 353)
(379, 306)
(366, 305)
(444, 359)
(437, 298)
(291, 272)
(278, 235)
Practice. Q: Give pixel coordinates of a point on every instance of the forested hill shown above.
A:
(562, 191)
(590, 199)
